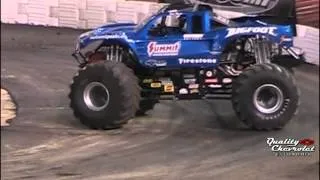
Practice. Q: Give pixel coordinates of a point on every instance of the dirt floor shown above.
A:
(189, 140)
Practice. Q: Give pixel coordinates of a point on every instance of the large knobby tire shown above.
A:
(265, 97)
(105, 95)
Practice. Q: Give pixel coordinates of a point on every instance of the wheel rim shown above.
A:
(96, 96)
(268, 98)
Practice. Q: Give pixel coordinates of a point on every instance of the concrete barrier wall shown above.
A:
(83, 14)
(308, 40)
(87, 14)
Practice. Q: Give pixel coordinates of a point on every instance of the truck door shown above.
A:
(196, 45)
(175, 40)
(163, 42)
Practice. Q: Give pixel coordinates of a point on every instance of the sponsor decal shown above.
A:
(214, 80)
(155, 49)
(183, 91)
(156, 63)
(291, 147)
(215, 86)
(146, 81)
(245, 30)
(111, 36)
(193, 36)
(209, 73)
(165, 81)
(193, 86)
(226, 80)
(155, 85)
(188, 75)
(190, 81)
(194, 91)
(197, 61)
(168, 88)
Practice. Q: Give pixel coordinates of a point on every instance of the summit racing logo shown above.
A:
(291, 147)
(155, 49)
(246, 30)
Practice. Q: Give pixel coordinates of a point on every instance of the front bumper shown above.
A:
(80, 58)
(295, 52)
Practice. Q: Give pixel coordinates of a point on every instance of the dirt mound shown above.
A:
(8, 108)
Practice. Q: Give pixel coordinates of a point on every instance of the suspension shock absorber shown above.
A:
(262, 50)
(114, 53)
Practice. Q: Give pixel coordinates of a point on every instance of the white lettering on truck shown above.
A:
(244, 30)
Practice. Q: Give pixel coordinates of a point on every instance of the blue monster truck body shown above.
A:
(185, 53)
(200, 44)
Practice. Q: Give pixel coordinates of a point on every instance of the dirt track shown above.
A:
(178, 140)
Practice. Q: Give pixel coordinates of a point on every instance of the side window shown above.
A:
(197, 24)
(171, 24)
(159, 21)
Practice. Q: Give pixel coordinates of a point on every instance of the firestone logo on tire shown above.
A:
(155, 49)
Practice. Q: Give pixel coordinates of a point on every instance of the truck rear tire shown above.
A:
(105, 95)
(265, 97)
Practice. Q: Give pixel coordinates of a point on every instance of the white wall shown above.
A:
(86, 14)
(308, 40)
(74, 13)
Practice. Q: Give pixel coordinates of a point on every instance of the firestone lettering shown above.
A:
(196, 61)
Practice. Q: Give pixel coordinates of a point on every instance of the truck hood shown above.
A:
(118, 27)
(124, 31)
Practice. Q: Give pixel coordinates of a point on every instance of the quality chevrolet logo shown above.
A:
(291, 147)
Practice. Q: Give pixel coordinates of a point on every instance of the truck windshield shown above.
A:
(144, 22)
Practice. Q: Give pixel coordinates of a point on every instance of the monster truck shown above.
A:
(184, 52)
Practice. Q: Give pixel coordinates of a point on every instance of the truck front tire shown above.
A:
(265, 97)
(105, 95)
